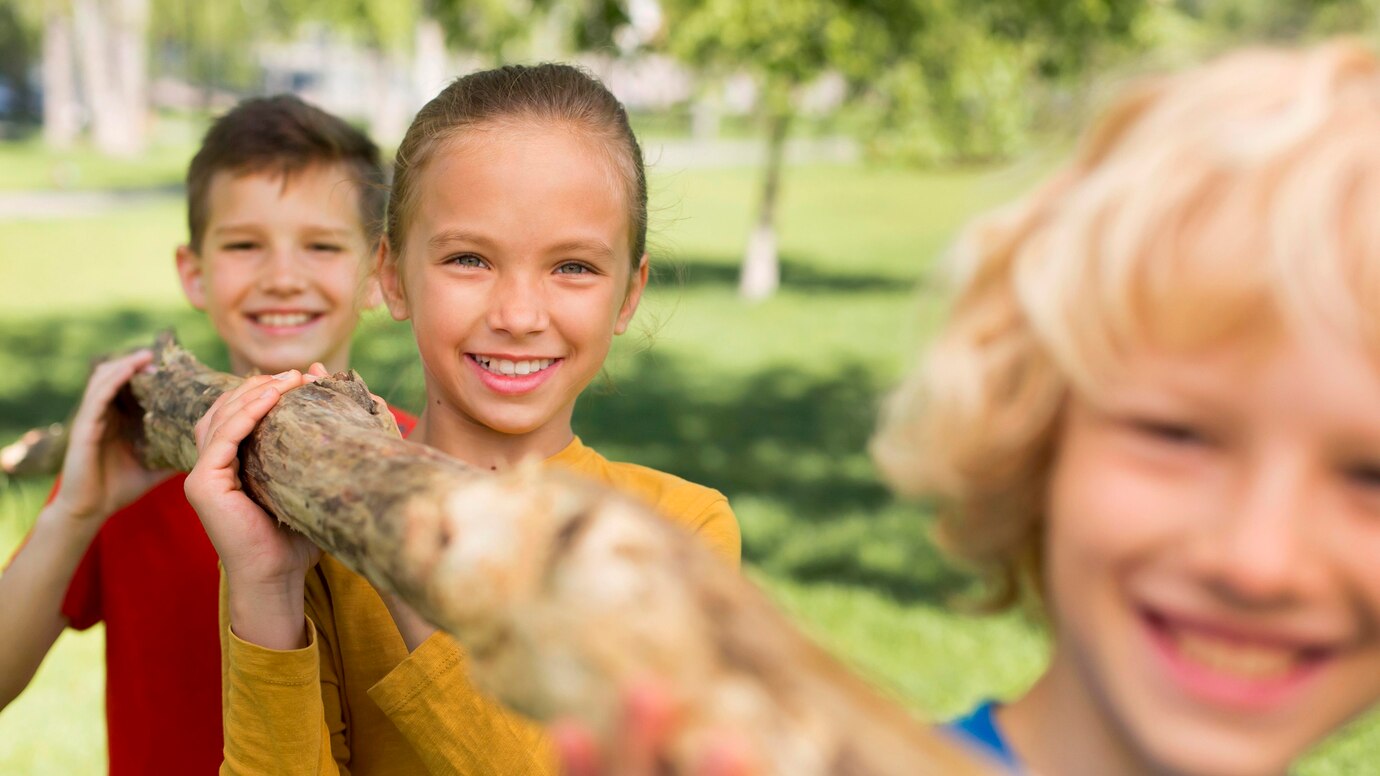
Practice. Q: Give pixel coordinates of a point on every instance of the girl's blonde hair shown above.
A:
(1229, 199)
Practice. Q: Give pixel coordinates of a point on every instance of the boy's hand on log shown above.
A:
(642, 742)
(265, 562)
(100, 473)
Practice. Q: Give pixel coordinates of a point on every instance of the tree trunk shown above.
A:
(761, 273)
(560, 590)
(388, 123)
(61, 112)
(112, 40)
(429, 60)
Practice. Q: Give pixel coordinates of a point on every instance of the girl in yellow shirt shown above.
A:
(516, 245)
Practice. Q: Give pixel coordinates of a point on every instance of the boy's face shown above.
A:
(1213, 553)
(282, 271)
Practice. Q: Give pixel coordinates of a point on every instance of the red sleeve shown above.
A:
(82, 604)
(405, 420)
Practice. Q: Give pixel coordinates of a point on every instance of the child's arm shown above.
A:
(99, 476)
(265, 563)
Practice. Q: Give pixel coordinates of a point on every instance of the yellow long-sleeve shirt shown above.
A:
(355, 701)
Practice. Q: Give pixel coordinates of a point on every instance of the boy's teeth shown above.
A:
(508, 368)
(283, 319)
(1248, 661)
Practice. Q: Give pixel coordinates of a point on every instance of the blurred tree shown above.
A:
(61, 105)
(1232, 21)
(17, 50)
(953, 74)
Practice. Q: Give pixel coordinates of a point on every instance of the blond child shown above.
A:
(1154, 410)
(516, 246)
(283, 205)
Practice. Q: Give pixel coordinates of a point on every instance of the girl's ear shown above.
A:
(388, 280)
(189, 271)
(636, 285)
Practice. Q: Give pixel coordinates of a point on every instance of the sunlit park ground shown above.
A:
(772, 403)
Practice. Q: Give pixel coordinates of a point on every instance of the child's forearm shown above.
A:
(31, 594)
(269, 614)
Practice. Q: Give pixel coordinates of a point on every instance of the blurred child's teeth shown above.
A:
(283, 319)
(1250, 661)
(513, 368)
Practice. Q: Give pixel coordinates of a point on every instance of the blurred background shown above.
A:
(809, 160)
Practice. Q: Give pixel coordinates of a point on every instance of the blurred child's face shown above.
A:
(1213, 552)
(516, 275)
(281, 271)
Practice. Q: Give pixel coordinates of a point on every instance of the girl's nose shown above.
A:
(518, 306)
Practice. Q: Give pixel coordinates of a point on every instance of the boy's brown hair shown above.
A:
(283, 135)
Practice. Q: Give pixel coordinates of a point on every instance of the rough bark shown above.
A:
(560, 591)
(39, 451)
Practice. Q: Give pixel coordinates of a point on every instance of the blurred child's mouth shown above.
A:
(1231, 668)
(283, 320)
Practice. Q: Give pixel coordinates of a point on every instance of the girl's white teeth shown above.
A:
(1248, 661)
(503, 366)
(283, 320)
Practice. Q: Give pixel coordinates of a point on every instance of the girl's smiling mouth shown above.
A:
(1236, 670)
(509, 374)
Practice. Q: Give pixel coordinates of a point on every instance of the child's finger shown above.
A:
(232, 401)
(106, 380)
(648, 720)
(575, 749)
(224, 436)
(318, 369)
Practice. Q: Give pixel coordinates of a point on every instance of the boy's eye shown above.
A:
(466, 260)
(242, 245)
(573, 268)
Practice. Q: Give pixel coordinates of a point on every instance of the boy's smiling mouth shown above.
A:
(283, 319)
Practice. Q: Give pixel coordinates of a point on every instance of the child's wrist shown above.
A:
(269, 614)
(77, 526)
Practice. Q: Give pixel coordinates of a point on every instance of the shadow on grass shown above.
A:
(787, 446)
(797, 274)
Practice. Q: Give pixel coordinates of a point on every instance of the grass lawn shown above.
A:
(772, 403)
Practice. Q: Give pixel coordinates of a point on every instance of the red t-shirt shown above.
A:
(151, 576)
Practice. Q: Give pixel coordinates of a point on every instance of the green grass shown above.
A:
(772, 403)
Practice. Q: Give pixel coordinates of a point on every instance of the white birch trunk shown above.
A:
(61, 111)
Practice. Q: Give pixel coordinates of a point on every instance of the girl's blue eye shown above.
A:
(466, 260)
(572, 268)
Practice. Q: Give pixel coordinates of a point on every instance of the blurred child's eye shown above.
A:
(573, 268)
(243, 245)
(326, 247)
(1365, 475)
(1169, 432)
(466, 260)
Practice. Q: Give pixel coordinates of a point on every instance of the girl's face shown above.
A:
(516, 275)
(1213, 553)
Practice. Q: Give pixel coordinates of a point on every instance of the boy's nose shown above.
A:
(282, 273)
(1257, 552)
(518, 306)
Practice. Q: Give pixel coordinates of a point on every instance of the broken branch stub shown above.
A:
(561, 591)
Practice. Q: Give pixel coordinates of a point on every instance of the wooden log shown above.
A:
(561, 591)
(36, 452)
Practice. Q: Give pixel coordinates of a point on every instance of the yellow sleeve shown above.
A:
(274, 720)
(452, 726)
(716, 525)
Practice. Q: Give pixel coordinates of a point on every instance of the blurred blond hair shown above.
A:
(1224, 201)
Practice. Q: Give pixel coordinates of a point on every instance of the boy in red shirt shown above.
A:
(279, 258)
